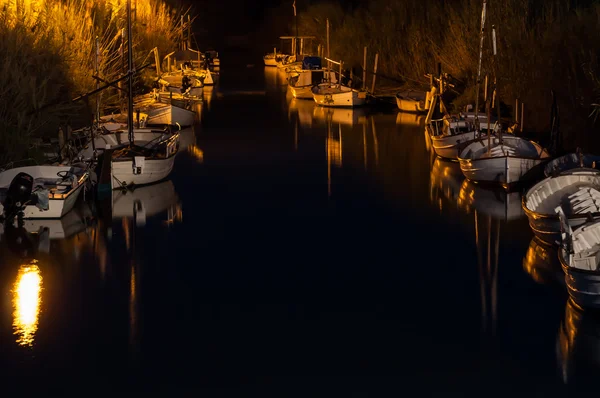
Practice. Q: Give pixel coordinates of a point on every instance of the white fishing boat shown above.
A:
(44, 191)
(301, 80)
(577, 190)
(163, 114)
(336, 95)
(104, 139)
(413, 101)
(450, 133)
(271, 59)
(579, 255)
(505, 160)
(133, 165)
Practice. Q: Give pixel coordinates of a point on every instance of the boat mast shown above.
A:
(296, 19)
(129, 76)
(481, 36)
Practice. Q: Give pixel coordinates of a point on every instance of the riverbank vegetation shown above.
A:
(541, 46)
(47, 58)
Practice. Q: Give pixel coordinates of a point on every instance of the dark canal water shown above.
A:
(294, 250)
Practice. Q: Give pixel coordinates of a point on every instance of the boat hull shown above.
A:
(503, 170)
(541, 200)
(341, 99)
(169, 115)
(154, 170)
(304, 92)
(411, 106)
(270, 61)
(448, 146)
(583, 286)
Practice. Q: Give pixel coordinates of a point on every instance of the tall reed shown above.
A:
(47, 56)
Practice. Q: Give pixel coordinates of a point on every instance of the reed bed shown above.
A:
(48, 55)
(541, 47)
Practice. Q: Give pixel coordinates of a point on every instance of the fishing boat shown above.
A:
(133, 164)
(413, 101)
(579, 255)
(91, 142)
(338, 94)
(576, 190)
(163, 114)
(449, 133)
(504, 160)
(302, 80)
(271, 59)
(44, 191)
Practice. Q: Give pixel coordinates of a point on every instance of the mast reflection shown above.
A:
(27, 301)
(578, 346)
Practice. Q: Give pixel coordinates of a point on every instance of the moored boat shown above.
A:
(504, 160)
(579, 188)
(44, 191)
(579, 255)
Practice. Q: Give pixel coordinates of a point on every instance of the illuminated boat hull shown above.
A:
(59, 203)
(540, 201)
(140, 170)
(338, 96)
(498, 168)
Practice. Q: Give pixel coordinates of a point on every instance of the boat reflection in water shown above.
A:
(411, 119)
(541, 263)
(145, 202)
(578, 347)
(445, 181)
(208, 96)
(345, 116)
(187, 137)
(496, 203)
(27, 301)
(303, 109)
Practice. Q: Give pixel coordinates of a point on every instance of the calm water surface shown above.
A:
(294, 249)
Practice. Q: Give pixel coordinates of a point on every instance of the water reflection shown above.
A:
(207, 94)
(346, 116)
(410, 119)
(494, 202)
(145, 202)
(26, 303)
(578, 346)
(303, 110)
(275, 79)
(445, 181)
(541, 263)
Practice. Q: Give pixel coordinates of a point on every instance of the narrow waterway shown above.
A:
(294, 249)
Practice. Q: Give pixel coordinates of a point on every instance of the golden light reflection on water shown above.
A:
(26, 303)
(197, 153)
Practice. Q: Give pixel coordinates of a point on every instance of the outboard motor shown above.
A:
(18, 195)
